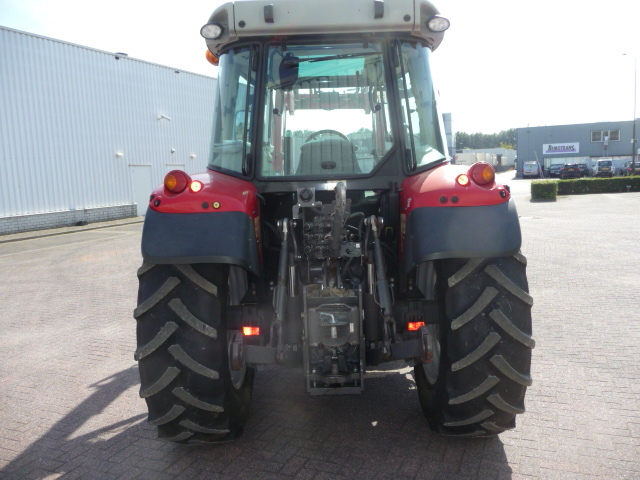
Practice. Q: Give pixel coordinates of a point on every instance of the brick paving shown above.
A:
(69, 405)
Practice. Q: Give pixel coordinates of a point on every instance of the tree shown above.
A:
(503, 139)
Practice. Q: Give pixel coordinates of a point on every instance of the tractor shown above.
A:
(330, 232)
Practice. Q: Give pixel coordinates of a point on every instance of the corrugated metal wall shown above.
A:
(67, 112)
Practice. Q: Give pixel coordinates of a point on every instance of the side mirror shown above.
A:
(288, 71)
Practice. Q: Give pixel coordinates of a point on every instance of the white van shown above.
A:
(604, 168)
(530, 170)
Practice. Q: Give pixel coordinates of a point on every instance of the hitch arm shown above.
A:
(383, 288)
(280, 294)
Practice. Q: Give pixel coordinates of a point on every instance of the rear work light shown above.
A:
(212, 31)
(437, 24)
(250, 331)
(176, 181)
(482, 173)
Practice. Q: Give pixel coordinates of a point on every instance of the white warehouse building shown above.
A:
(501, 158)
(85, 135)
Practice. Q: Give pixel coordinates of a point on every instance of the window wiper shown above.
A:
(292, 61)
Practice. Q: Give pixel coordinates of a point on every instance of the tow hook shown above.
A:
(426, 344)
(236, 351)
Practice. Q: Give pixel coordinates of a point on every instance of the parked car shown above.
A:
(554, 170)
(631, 169)
(570, 170)
(603, 168)
(530, 170)
(584, 169)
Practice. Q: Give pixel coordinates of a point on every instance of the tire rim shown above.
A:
(432, 369)
(237, 376)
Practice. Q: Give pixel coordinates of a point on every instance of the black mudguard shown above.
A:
(184, 238)
(434, 233)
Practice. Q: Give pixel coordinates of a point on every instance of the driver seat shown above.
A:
(328, 156)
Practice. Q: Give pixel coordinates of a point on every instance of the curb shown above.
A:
(66, 230)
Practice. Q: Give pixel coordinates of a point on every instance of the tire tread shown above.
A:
(164, 290)
(190, 319)
(167, 377)
(487, 344)
(183, 357)
(186, 397)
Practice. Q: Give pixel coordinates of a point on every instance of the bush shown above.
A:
(597, 185)
(544, 190)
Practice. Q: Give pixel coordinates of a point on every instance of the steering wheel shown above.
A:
(323, 132)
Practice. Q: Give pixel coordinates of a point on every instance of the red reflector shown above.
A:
(249, 331)
(412, 326)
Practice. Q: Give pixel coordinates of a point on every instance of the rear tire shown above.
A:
(183, 354)
(485, 341)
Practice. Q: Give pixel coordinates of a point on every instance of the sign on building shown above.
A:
(557, 148)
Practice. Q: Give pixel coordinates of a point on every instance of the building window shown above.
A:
(605, 135)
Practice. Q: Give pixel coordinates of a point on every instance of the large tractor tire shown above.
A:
(481, 370)
(183, 354)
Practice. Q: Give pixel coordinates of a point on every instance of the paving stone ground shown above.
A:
(69, 404)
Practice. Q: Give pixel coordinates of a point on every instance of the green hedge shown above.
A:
(544, 190)
(597, 185)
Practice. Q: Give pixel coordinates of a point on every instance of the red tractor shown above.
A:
(330, 231)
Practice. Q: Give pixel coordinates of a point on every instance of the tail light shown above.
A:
(463, 180)
(413, 326)
(482, 173)
(250, 331)
(195, 186)
(176, 181)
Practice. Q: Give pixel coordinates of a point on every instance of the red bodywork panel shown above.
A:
(427, 189)
(229, 193)
(438, 188)
(219, 193)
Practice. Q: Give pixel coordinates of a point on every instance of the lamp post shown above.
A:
(634, 140)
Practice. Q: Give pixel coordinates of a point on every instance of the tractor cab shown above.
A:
(336, 105)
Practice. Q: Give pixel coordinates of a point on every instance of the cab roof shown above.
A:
(283, 18)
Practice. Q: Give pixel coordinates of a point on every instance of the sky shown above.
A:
(503, 63)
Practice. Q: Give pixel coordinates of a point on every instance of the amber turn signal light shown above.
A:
(482, 173)
(176, 181)
(212, 59)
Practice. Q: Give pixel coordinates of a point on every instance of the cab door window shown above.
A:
(234, 96)
(422, 126)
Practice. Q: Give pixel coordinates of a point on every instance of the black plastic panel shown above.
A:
(221, 237)
(434, 233)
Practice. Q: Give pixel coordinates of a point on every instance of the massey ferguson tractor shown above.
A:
(330, 233)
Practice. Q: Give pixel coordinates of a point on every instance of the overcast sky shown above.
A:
(503, 63)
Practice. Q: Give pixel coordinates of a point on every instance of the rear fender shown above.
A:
(218, 224)
(440, 218)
